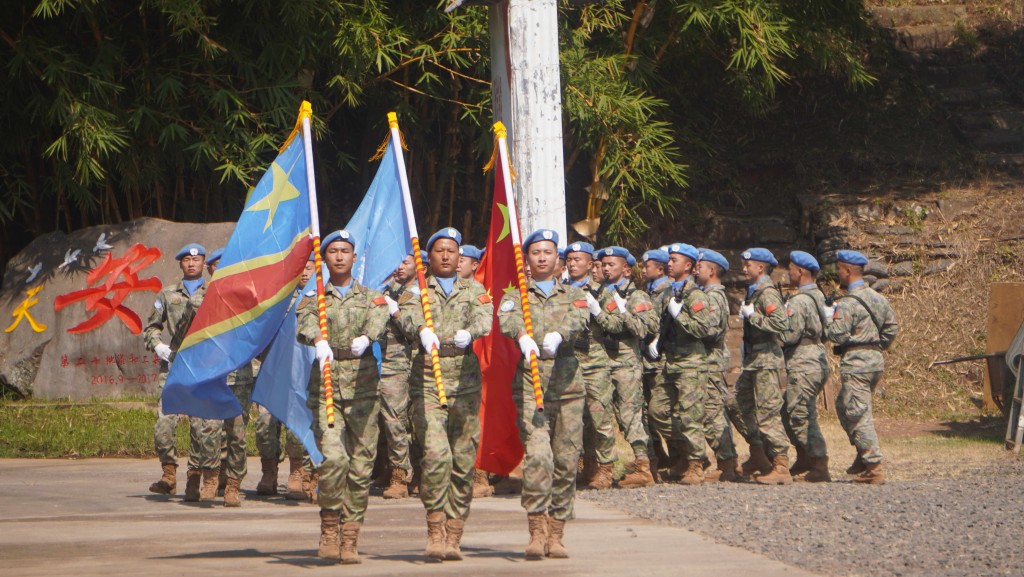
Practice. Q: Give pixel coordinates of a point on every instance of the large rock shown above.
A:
(46, 360)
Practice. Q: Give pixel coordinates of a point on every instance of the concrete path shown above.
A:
(94, 517)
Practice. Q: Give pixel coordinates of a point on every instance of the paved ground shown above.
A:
(94, 517)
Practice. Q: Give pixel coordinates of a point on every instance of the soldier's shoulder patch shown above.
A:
(507, 305)
(581, 303)
(697, 307)
(612, 305)
(770, 308)
(789, 311)
(641, 307)
(380, 301)
(484, 298)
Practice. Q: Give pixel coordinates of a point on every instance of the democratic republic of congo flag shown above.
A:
(249, 295)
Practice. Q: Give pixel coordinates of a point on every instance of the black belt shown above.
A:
(450, 351)
(843, 349)
(346, 354)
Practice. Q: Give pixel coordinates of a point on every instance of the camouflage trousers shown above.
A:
(661, 450)
(800, 411)
(599, 415)
(717, 431)
(553, 441)
(164, 434)
(394, 412)
(629, 403)
(677, 410)
(268, 439)
(221, 442)
(349, 449)
(449, 439)
(760, 402)
(853, 406)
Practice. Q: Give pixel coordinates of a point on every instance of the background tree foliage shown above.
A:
(117, 109)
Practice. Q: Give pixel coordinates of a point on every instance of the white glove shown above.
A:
(652, 348)
(429, 340)
(828, 311)
(551, 342)
(593, 305)
(359, 345)
(163, 351)
(620, 301)
(528, 346)
(674, 307)
(746, 311)
(392, 305)
(462, 338)
(324, 354)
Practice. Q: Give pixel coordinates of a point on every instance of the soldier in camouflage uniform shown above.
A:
(757, 390)
(622, 337)
(677, 400)
(462, 312)
(356, 317)
(656, 284)
(552, 439)
(806, 368)
(862, 324)
(710, 269)
(598, 412)
(394, 383)
(469, 261)
(174, 309)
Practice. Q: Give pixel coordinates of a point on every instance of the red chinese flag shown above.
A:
(500, 450)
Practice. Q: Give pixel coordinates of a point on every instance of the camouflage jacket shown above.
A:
(468, 307)
(718, 352)
(852, 325)
(802, 341)
(658, 301)
(362, 311)
(173, 310)
(683, 346)
(764, 328)
(396, 347)
(565, 312)
(624, 332)
(590, 349)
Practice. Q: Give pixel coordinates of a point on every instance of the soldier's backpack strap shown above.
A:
(821, 314)
(878, 326)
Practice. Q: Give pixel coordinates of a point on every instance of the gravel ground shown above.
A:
(969, 525)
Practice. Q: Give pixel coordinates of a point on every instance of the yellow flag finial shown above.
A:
(499, 130)
(305, 111)
(392, 120)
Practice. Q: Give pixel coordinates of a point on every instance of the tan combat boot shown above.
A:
(194, 477)
(414, 482)
(556, 530)
(436, 535)
(602, 478)
(232, 496)
(819, 471)
(348, 552)
(726, 471)
(330, 545)
(312, 491)
(211, 477)
(586, 468)
(397, 488)
(453, 539)
(168, 482)
(268, 482)
(757, 463)
(536, 549)
(481, 484)
(872, 474)
(694, 474)
(679, 468)
(779, 475)
(857, 467)
(294, 490)
(638, 474)
(802, 464)
(222, 479)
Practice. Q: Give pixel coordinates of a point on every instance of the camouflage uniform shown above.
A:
(552, 439)
(677, 401)
(268, 438)
(862, 364)
(598, 412)
(622, 336)
(652, 369)
(757, 390)
(173, 310)
(394, 384)
(717, 431)
(350, 447)
(807, 369)
(449, 438)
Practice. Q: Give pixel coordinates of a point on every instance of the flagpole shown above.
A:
(501, 134)
(428, 318)
(305, 113)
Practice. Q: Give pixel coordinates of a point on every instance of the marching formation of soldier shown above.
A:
(607, 353)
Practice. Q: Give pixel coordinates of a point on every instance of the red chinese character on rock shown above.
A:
(64, 361)
(135, 259)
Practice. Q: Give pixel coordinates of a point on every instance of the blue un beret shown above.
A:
(851, 257)
(580, 247)
(471, 251)
(191, 249)
(561, 253)
(715, 257)
(612, 251)
(760, 255)
(336, 236)
(445, 233)
(215, 256)
(657, 255)
(631, 260)
(684, 249)
(804, 260)
(312, 257)
(539, 235)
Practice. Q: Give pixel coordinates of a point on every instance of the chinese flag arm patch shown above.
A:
(612, 305)
(484, 299)
(380, 301)
(769, 309)
(642, 307)
(697, 307)
(580, 304)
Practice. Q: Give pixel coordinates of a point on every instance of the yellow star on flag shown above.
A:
(283, 190)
